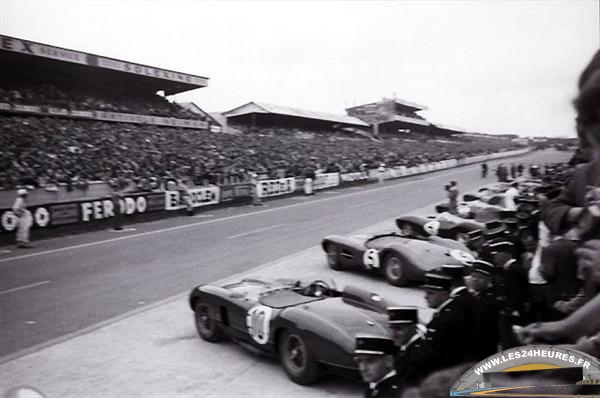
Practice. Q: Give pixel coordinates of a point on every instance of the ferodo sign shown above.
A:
(199, 197)
(105, 208)
(326, 180)
(282, 186)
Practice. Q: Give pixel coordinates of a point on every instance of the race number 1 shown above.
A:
(258, 322)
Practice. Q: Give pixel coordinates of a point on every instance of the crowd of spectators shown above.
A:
(80, 97)
(40, 150)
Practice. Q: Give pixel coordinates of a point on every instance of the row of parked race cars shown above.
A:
(312, 326)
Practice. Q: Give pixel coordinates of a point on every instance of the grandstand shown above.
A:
(389, 116)
(261, 115)
(70, 119)
(41, 79)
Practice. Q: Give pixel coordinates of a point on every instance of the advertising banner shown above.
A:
(67, 213)
(40, 218)
(150, 71)
(41, 50)
(83, 211)
(103, 208)
(353, 177)
(231, 192)
(326, 180)
(202, 196)
(106, 116)
(282, 186)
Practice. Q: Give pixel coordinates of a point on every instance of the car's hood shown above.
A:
(432, 253)
(338, 321)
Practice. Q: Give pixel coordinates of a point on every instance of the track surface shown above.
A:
(80, 283)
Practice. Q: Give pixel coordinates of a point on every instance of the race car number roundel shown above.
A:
(258, 323)
(432, 227)
(371, 258)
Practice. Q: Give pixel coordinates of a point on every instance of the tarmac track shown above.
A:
(72, 296)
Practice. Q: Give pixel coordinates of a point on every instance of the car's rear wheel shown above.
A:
(297, 359)
(394, 270)
(333, 257)
(207, 325)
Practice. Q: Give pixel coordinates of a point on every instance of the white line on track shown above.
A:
(129, 229)
(204, 216)
(254, 231)
(16, 289)
(233, 217)
(363, 204)
(331, 192)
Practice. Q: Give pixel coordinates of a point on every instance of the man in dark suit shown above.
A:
(375, 358)
(451, 323)
(480, 282)
(446, 340)
(405, 326)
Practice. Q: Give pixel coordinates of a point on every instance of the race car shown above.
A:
(311, 327)
(400, 256)
(444, 225)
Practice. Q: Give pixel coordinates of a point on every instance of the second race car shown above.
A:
(401, 257)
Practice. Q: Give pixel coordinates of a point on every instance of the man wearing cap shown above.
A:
(415, 356)
(450, 328)
(480, 282)
(475, 239)
(462, 296)
(375, 358)
(24, 219)
(405, 326)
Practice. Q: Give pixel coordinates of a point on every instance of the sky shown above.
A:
(483, 66)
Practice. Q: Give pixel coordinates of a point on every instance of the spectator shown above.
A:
(24, 219)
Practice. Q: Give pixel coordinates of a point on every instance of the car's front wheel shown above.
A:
(333, 257)
(207, 325)
(297, 359)
(394, 270)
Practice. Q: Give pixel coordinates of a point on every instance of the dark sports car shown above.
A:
(399, 256)
(311, 327)
(444, 225)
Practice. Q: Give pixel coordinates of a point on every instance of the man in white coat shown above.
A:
(24, 219)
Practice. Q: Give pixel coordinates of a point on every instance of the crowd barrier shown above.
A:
(134, 206)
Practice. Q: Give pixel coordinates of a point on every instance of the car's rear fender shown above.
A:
(326, 350)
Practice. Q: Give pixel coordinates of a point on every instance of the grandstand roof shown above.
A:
(412, 120)
(407, 104)
(21, 55)
(261, 107)
(450, 129)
